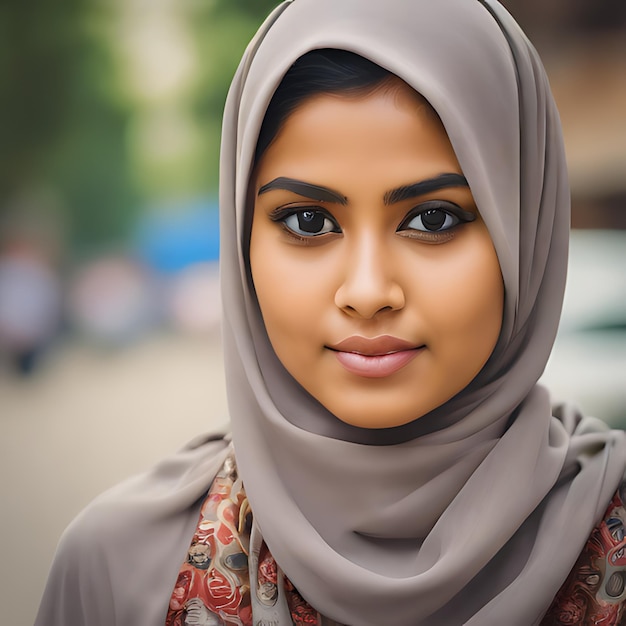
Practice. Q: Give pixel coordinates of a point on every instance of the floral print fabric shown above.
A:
(213, 585)
(595, 590)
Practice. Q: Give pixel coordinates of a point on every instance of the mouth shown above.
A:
(377, 357)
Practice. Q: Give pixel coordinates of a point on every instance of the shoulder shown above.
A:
(595, 590)
(166, 489)
(133, 536)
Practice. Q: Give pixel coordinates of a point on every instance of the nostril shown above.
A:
(364, 313)
(367, 294)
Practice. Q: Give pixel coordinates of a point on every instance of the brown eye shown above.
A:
(310, 222)
(436, 217)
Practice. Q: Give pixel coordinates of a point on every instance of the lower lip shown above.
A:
(377, 366)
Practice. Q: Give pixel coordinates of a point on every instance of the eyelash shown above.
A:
(450, 210)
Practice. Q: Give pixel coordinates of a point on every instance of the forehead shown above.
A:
(390, 129)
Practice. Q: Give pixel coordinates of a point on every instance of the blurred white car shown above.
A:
(588, 363)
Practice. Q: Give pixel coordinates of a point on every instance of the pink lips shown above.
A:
(374, 358)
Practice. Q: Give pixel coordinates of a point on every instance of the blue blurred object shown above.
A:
(30, 305)
(171, 237)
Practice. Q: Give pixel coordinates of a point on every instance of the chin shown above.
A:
(375, 421)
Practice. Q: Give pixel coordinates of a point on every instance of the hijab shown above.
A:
(476, 512)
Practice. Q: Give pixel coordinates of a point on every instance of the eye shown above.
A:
(433, 220)
(435, 217)
(309, 222)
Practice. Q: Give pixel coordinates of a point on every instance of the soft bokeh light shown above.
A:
(157, 52)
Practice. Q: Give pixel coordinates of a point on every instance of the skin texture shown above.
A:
(372, 271)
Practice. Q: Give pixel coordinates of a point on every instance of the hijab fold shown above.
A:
(476, 512)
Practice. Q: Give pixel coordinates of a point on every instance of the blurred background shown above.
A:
(110, 355)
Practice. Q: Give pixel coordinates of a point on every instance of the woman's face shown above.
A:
(377, 280)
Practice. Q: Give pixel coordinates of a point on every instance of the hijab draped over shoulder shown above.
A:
(476, 512)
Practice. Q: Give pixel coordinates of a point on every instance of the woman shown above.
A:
(394, 238)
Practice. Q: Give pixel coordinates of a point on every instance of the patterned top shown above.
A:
(595, 590)
(213, 586)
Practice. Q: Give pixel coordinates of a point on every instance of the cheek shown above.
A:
(466, 301)
(290, 292)
(267, 285)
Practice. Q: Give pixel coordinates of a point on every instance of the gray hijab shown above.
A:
(476, 512)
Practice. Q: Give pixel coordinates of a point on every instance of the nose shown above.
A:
(368, 286)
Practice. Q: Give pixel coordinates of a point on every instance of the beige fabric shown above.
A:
(476, 512)
(117, 563)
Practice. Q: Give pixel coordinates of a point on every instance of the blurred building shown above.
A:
(583, 45)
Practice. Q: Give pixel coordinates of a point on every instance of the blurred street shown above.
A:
(87, 419)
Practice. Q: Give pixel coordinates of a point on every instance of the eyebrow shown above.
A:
(425, 186)
(320, 193)
(308, 190)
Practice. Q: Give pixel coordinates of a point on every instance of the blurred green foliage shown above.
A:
(68, 115)
(64, 127)
(39, 55)
(256, 10)
(222, 30)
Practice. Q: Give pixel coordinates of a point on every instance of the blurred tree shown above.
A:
(63, 126)
(256, 9)
(90, 162)
(38, 57)
(222, 31)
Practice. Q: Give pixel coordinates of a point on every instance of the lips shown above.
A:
(374, 358)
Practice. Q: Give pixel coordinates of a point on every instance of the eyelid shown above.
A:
(443, 205)
(281, 212)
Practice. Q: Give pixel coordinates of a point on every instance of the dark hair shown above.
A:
(319, 71)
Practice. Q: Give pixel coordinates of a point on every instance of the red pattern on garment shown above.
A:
(213, 586)
(301, 611)
(595, 591)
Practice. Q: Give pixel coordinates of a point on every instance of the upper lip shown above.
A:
(375, 346)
